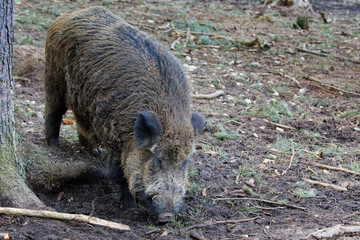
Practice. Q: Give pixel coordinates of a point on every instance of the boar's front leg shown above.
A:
(116, 175)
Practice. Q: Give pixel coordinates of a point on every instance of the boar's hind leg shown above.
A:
(55, 91)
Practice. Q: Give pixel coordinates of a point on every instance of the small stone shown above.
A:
(302, 91)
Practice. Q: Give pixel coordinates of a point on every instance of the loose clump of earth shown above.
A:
(289, 111)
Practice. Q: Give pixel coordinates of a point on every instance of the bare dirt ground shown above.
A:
(284, 112)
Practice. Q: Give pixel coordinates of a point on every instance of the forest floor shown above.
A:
(290, 116)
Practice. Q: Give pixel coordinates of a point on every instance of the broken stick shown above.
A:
(63, 216)
(279, 125)
(337, 230)
(328, 55)
(333, 186)
(337, 169)
(331, 86)
(208, 96)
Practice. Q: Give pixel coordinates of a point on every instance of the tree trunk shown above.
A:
(13, 189)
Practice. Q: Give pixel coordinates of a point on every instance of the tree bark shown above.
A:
(13, 189)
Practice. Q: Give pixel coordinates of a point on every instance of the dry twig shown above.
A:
(262, 200)
(351, 215)
(337, 169)
(333, 186)
(328, 55)
(334, 231)
(288, 77)
(202, 225)
(291, 160)
(279, 125)
(208, 96)
(63, 216)
(331, 86)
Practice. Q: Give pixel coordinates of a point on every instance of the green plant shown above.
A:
(284, 145)
(349, 113)
(69, 132)
(245, 171)
(273, 110)
(250, 209)
(355, 166)
(304, 193)
(225, 135)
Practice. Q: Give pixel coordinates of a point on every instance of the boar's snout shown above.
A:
(165, 211)
(162, 210)
(164, 218)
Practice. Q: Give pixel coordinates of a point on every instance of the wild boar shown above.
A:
(129, 96)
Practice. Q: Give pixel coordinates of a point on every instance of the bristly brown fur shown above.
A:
(106, 71)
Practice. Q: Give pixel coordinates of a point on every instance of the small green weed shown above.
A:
(349, 113)
(305, 193)
(273, 110)
(355, 166)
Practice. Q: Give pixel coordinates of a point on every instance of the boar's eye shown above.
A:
(157, 163)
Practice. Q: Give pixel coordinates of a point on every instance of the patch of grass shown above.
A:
(246, 171)
(355, 166)
(326, 30)
(203, 26)
(222, 134)
(194, 187)
(192, 172)
(284, 144)
(249, 209)
(349, 113)
(248, 190)
(311, 134)
(69, 133)
(175, 224)
(323, 102)
(31, 18)
(242, 79)
(274, 110)
(26, 40)
(225, 135)
(305, 193)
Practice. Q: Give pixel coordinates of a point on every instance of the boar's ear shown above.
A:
(198, 122)
(147, 129)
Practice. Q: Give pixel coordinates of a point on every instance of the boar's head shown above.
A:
(166, 147)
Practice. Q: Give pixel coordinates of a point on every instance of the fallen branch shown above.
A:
(262, 200)
(333, 186)
(208, 96)
(202, 225)
(334, 231)
(63, 216)
(279, 125)
(288, 77)
(331, 86)
(328, 55)
(337, 169)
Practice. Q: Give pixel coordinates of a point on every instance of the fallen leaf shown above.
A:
(68, 122)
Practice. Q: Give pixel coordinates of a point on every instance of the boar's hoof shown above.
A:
(164, 218)
(53, 141)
